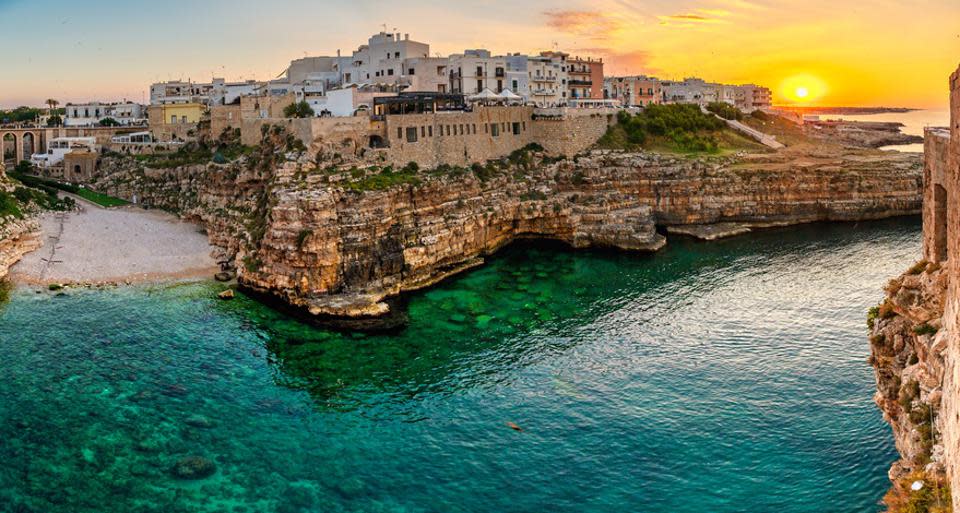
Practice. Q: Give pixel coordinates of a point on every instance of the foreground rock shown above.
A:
(193, 467)
(17, 238)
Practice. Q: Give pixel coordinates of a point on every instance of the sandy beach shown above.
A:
(127, 244)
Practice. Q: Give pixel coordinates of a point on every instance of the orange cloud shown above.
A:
(621, 63)
(595, 25)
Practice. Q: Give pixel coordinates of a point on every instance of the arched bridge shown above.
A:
(22, 142)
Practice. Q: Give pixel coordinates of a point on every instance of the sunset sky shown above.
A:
(841, 52)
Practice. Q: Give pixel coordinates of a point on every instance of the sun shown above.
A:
(802, 88)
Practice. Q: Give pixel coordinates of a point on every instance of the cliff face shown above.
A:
(340, 243)
(910, 353)
(17, 238)
(915, 339)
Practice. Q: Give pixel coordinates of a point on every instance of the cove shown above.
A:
(726, 376)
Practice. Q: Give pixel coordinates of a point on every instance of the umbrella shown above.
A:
(510, 95)
(484, 95)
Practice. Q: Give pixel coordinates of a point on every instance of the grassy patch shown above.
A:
(9, 206)
(87, 194)
(675, 128)
(925, 329)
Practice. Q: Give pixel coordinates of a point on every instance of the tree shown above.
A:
(54, 120)
(52, 104)
(298, 110)
(109, 122)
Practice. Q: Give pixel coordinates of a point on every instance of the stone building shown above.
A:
(79, 165)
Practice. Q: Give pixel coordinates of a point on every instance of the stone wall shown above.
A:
(223, 117)
(574, 132)
(457, 138)
(950, 415)
(915, 337)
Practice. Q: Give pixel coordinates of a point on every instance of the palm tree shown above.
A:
(53, 105)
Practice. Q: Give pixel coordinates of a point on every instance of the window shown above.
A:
(412, 71)
(479, 71)
(524, 126)
(423, 131)
(516, 129)
(399, 133)
(461, 129)
(495, 130)
(448, 129)
(486, 128)
(390, 72)
(430, 130)
(173, 119)
(411, 134)
(183, 119)
(474, 129)
(396, 54)
(479, 86)
(499, 86)
(515, 86)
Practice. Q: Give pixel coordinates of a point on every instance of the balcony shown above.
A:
(586, 83)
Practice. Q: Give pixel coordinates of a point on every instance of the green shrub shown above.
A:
(9, 205)
(725, 111)
(298, 110)
(924, 329)
(872, 315)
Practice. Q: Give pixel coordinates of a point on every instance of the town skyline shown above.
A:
(89, 56)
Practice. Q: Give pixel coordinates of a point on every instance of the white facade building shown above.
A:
(382, 59)
(60, 146)
(475, 70)
(91, 114)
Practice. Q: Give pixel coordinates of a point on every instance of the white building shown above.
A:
(216, 92)
(750, 97)
(91, 114)
(427, 74)
(382, 59)
(548, 78)
(60, 146)
(475, 70)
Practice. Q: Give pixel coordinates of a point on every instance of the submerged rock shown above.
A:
(193, 467)
(227, 294)
(199, 421)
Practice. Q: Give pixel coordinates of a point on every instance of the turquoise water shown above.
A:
(722, 377)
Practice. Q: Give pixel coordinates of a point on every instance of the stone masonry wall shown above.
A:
(950, 414)
(574, 133)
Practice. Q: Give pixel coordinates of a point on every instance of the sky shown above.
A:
(837, 52)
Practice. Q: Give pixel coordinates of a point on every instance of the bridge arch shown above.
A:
(28, 145)
(10, 144)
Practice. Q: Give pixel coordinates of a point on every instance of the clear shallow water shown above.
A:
(723, 377)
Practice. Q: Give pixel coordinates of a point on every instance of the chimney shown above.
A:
(406, 37)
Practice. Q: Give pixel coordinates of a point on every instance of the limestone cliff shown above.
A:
(909, 351)
(17, 238)
(340, 243)
(915, 344)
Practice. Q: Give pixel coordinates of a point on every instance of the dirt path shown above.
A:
(98, 245)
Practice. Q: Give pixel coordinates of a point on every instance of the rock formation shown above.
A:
(339, 243)
(915, 344)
